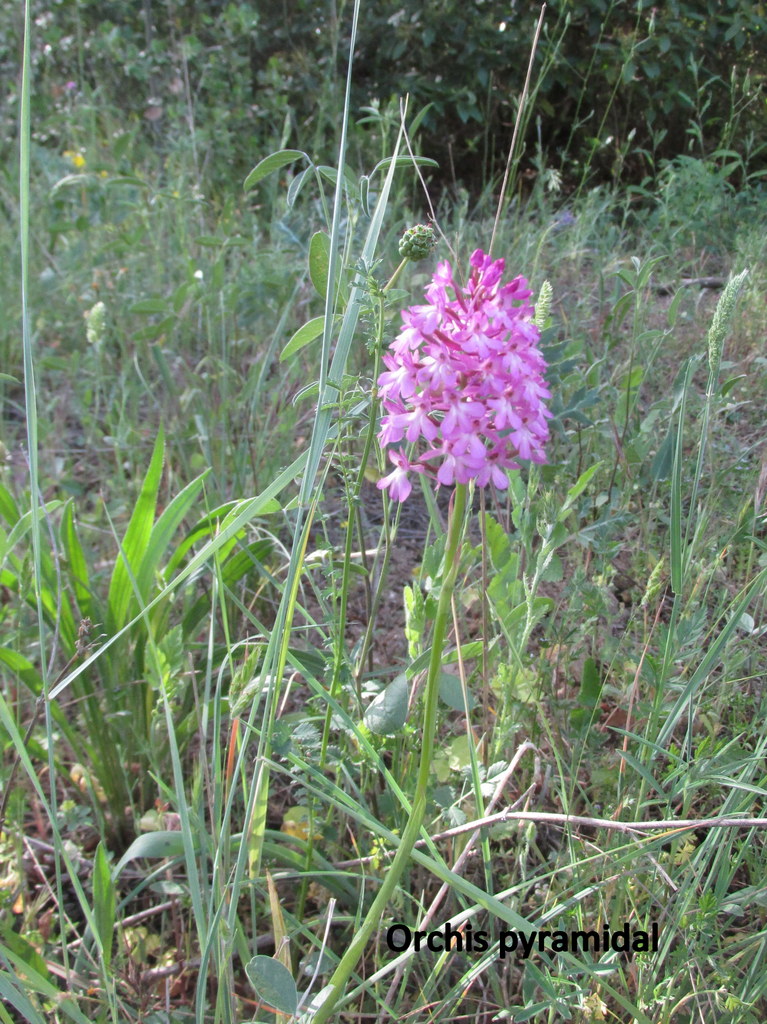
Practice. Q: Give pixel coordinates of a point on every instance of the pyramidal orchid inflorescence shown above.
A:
(465, 375)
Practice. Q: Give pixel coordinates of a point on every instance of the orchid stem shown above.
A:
(413, 828)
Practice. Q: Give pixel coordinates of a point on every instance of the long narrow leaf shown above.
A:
(712, 656)
(136, 541)
(78, 567)
(163, 530)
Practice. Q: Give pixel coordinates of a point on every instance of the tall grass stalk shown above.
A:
(30, 408)
(520, 121)
(49, 800)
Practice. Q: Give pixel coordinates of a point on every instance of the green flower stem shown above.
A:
(412, 830)
(392, 280)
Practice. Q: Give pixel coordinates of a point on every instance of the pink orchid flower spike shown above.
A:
(466, 376)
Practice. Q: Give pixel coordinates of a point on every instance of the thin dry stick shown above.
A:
(634, 691)
(527, 745)
(517, 123)
(671, 825)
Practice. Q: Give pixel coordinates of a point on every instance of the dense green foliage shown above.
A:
(619, 86)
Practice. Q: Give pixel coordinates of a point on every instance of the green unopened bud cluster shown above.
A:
(418, 242)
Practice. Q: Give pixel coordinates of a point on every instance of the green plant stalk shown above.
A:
(413, 827)
(346, 579)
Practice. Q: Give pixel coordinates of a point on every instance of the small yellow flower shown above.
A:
(76, 159)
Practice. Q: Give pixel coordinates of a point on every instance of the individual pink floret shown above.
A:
(397, 481)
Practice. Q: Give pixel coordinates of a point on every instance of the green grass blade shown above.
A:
(104, 902)
(77, 564)
(135, 542)
(676, 536)
(163, 530)
(713, 655)
(241, 514)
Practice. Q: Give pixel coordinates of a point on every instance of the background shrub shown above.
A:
(619, 85)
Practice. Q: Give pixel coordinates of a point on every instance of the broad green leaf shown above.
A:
(319, 262)
(155, 330)
(149, 306)
(662, 463)
(415, 124)
(34, 981)
(31, 678)
(554, 571)
(591, 684)
(104, 902)
(629, 70)
(24, 523)
(136, 541)
(152, 846)
(403, 161)
(306, 392)
(273, 984)
(498, 543)
(588, 697)
(415, 619)
(451, 692)
(632, 380)
(576, 490)
(272, 163)
(297, 185)
(730, 383)
(8, 508)
(673, 309)
(261, 506)
(70, 180)
(23, 668)
(310, 330)
(26, 952)
(459, 753)
(331, 174)
(126, 179)
(13, 997)
(180, 296)
(387, 713)
(208, 526)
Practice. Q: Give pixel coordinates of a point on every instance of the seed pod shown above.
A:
(418, 242)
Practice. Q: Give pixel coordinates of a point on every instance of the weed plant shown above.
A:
(225, 650)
